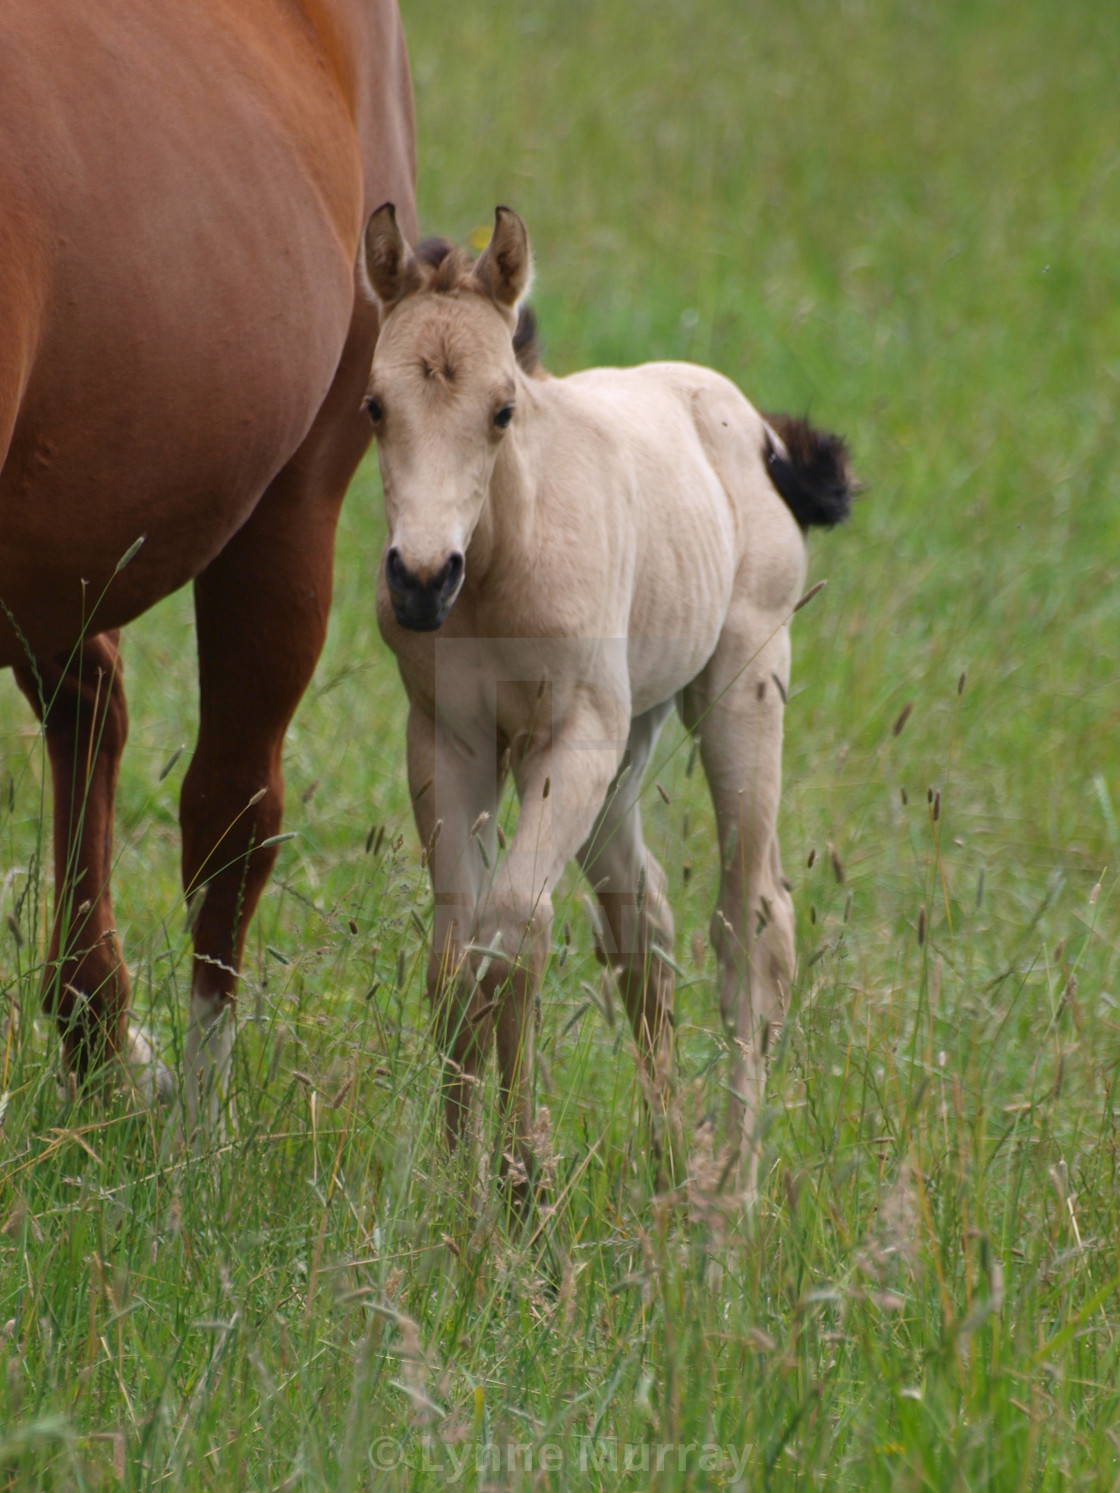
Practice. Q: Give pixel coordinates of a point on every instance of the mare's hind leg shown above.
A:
(736, 708)
(261, 609)
(80, 699)
(635, 917)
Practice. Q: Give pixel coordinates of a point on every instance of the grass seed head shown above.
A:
(429, 849)
(807, 598)
(170, 763)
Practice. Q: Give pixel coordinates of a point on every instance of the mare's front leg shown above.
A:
(562, 784)
(80, 699)
(261, 608)
(453, 786)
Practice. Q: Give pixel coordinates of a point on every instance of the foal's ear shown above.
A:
(505, 266)
(391, 267)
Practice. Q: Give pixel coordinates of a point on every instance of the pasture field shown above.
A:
(905, 221)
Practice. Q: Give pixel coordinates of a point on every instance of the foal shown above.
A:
(566, 560)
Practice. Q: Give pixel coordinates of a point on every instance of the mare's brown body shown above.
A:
(183, 353)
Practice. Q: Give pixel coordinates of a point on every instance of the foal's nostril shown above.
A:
(406, 582)
(453, 571)
(397, 576)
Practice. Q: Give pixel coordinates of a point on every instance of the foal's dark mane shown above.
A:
(445, 267)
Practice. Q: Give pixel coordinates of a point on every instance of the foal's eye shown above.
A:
(504, 416)
(374, 410)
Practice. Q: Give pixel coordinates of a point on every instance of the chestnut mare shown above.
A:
(591, 550)
(184, 345)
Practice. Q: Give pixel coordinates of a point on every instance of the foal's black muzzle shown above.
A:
(420, 604)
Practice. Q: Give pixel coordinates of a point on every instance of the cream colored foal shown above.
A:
(567, 558)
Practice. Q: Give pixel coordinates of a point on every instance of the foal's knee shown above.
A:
(519, 931)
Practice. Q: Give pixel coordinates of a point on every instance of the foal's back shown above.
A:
(665, 465)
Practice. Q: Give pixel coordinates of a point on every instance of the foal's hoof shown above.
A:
(151, 1079)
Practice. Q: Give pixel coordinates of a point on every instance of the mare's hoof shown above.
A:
(151, 1079)
(138, 1070)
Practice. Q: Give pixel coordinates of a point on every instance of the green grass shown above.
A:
(905, 220)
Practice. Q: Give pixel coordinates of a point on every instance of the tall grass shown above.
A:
(905, 220)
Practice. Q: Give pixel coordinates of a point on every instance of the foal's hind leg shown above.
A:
(736, 707)
(86, 985)
(635, 917)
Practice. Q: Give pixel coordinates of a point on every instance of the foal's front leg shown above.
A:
(562, 785)
(453, 787)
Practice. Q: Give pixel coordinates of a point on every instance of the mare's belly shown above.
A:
(187, 187)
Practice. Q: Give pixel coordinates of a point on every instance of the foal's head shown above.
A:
(442, 394)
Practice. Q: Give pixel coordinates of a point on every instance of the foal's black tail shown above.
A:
(814, 476)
